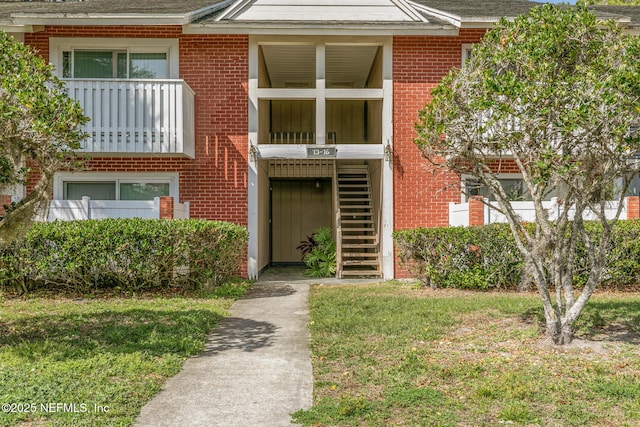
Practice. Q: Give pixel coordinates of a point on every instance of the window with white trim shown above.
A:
(107, 58)
(467, 52)
(115, 186)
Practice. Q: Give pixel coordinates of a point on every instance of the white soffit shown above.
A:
(322, 10)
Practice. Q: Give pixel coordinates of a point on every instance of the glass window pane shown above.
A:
(143, 191)
(95, 190)
(93, 65)
(66, 65)
(148, 66)
(122, 65)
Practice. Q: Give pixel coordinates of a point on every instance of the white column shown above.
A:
(321, 116)
(388, 260)
(252, 196)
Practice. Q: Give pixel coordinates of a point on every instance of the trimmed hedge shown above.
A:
(487, 257)
(131, 254)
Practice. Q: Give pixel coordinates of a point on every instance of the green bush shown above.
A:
(321, 260)
(132, 254)
(487, 257)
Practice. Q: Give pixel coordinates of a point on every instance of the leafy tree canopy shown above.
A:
(610, 2)
(40, 127)
(558, 93)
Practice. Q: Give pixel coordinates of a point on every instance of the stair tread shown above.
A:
(359, 245)
(359, 237)
(367, 273)
(359, 255)
(360, 262)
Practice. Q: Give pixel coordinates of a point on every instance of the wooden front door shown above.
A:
(298, 208)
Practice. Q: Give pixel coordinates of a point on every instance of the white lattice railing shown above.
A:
(136, 116)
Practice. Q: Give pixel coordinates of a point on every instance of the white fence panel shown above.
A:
(103, 209)
(67, 210)
(181, 210)
(458, 214)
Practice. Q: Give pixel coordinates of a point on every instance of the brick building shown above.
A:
(281, 116)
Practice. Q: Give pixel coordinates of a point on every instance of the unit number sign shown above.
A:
(321, 152)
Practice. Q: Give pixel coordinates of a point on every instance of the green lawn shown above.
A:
(96, 362)
(392, 355)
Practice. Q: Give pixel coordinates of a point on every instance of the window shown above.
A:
(114, 58)
(467, 53)
(114, 186)
(514, 187)
(113, 64)
(512, 184)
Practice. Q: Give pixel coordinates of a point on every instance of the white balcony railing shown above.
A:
(136, 116)
(459, 214)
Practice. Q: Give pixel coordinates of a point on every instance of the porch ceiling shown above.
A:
(295, 66)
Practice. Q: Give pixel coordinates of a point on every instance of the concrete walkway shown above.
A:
(255, 370)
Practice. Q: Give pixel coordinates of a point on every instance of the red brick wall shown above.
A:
(216, 68)
(421, 192)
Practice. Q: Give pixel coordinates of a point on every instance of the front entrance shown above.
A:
(298, 208)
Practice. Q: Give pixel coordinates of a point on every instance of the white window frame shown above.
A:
(172, 178)
(467, 48)
(58, 45)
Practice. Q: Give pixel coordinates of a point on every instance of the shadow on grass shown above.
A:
(235, 333)
(617, 321)
(154, 332)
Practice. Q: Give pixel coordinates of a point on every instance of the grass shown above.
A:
(392, 355)
(103, 358)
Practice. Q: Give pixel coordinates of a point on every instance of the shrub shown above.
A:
(133, 254)
(487, 257)
(321, 259)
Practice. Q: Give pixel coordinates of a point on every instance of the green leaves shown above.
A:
(39, 125)
(321, 260)
(133, 254)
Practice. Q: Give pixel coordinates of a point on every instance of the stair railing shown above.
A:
(336, 201)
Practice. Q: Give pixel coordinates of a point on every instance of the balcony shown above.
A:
(149, 117)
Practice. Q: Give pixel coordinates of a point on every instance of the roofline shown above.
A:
(107, 19)
(348, 29)
(13, 28)
(241, 5)
(439, 14)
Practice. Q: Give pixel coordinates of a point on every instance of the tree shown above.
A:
(40, 128)
(610, 2)
(557, 93)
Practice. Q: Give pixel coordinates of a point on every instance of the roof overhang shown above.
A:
(30, 18)
(320, 28)
(13, 28)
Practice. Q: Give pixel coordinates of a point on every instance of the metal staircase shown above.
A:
(358, 245)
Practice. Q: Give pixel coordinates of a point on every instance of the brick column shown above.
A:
(4, 201)
(166, 207)
(476, 210)
(633, 207)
